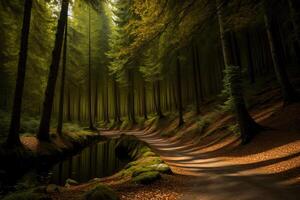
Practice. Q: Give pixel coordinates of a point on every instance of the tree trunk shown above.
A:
(79, 106)
(199, 73)
(106, 101)
(250, 59)
(247, 125)
(159, 111)
(43, 133)
(131, 110)
(295, 21)
(62, 86)
(13, 136)
(288, 92)
(91, 125)
(69, 117)
(196, 84)
(144, 101)
(179, 93)
(96, 100)
(116, 104)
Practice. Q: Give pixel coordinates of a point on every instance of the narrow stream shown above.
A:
(96, 161)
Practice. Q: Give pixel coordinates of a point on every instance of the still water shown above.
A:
(96, 161)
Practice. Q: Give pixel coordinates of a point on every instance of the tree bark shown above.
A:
(13, 135)
(196, 84)
(79, 106)
(131, 110)
(91, 125)
(144, 101)
(250, 59)
(179, 93)
(247, 125)
(295, 21)
(288, 92)
(96, 100)
(62, 86)
(116, 103)
(43, 133)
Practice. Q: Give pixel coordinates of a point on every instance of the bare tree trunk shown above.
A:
(247, 125)
(43, 133)
(91, 125)
(250, 59)
(196, 84)
(69, 117)
(288, 92)
(79, 106)
(116, 103)
(295, 21)
(96, 100)
(62, 86)
(179, 93)
(13, 136)
(106, 101)
(144, 101)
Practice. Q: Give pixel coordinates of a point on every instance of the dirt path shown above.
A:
(215, 176)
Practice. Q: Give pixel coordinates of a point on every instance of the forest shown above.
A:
(149, 99)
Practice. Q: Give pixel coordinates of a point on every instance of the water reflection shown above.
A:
(96, 161)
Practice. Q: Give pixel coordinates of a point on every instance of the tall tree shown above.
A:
(13, 136)
(91, 125)
(179, 93)
(288, 91)
(247, 125)
(43, 133)
(62, 86)
(196, 82)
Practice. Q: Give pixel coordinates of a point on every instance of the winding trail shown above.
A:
(212, 177)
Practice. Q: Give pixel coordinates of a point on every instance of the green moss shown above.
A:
(148, 154)
(101, 192)
(147, 177)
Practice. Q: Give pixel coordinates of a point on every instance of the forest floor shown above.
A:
(213, 165)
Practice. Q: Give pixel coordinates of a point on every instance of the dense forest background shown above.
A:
(123, 61)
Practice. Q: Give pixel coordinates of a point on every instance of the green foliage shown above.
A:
(234, 128)
(227, 106)
(232, 88)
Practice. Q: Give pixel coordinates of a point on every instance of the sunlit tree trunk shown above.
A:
(13, 135)
(43, 133)
(179, 93)
(62, 86)
(288, 92)
(247, 125)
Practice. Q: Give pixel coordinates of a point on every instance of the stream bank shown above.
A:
(40, 155)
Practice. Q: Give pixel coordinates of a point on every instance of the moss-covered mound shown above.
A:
(146, 177)
(145, 166)
(101, 192)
